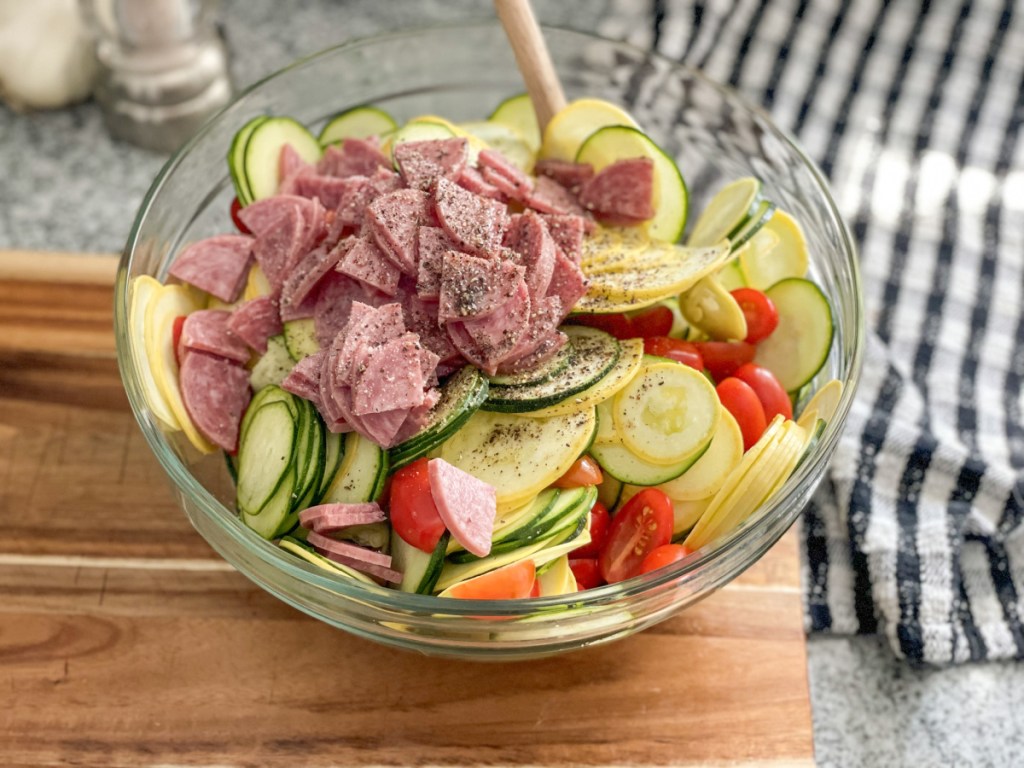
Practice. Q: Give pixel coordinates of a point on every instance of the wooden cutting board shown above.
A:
(126, 641)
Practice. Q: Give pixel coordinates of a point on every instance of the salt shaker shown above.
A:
(163, 68)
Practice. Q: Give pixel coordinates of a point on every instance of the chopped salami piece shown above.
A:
(568, 282)
(355, 157)
(567, 231)
(369, 561)
(549, 196)
(418, 417)
(532, 247)
(365, 262)
(206, 330)
(366, 325)
(255, 321)
(421, 318)
(291, 167)
(545, 349)
(328, 518)
(215, 392)
(298, 296)
(384, 427)
(541, 338)
(421, 162)
(218, 265)
(470, 179)
(496, 170)
(467, 505)
(570, 175)
(394, 220)
(472, 287)
(304, 378)
(433, 243)
(389, 378)
(329, 190)
(475, 223)
(487, 342)
(329, 409)
(334, 300)
(621, 193)
(280, 245)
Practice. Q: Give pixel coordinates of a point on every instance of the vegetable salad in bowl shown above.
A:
(473, 365)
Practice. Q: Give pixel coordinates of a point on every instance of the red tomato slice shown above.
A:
(662, 556)
(674, 349)
(640, 527)
(239, 224)
(584, 471)
(617, 324)
(414, 515)
(656, 321)
(721, 358)
(742, 402)
(587, 572)
(179, 323)
(769, 391)
(510, 582)
(760, 312)
(599, 522)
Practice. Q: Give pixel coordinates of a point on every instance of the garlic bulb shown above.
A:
(46, 54)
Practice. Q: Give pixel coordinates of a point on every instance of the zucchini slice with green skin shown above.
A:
(273, 366)
(671, 198)
(592, 354)
(730, 208)
(757, 219)
(539, 373)
(357, 123)
(420, 570)
(461, 395)
(619, 462)
(609, 491)
(265, 455)
(361, 475)
(334, 452)
(300, 338)
(236, 159)
(800, 344)
(262, 155)
(517, 113)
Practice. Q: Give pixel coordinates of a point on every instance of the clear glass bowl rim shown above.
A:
(394, 600)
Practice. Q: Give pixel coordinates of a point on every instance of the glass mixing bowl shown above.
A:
(462, 73)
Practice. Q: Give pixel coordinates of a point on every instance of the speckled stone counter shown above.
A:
(65, 185)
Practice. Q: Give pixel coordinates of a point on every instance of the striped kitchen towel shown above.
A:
(913, 109)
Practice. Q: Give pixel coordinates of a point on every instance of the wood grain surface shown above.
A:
(125, 641)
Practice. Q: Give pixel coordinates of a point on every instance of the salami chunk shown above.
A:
(532, 247)
(335, 296)
(568, 282)
(471, 180)
(304, 378)
(472, 287)
(218, 265)
(365, 262)
(622, 193)
(394, 220)
(256, 321)
(328, 518)
(390, 377)
(567, 231)
(215, 392)
(355, 157)
(487, 342)
(298, 298)
(568, 174)
(422, 162)
(206, 330)
(362, 559)
(549, 196)
(475, 223)
(496, 170)
(467, 505)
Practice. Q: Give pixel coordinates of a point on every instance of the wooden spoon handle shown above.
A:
(532, 56)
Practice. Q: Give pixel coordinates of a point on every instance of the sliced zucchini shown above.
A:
(631, 353)
(273, 366)
(667, 413)
(799, 346)
(276, 517)
(606, 432)
(712, 309)
(727, 212)
(519, 456)
(619, 462)
(517, 113)
(574, 123)
(334, 452)
(236, 159)
(262, 156)
(461, 395)
(420, 570)
(760, 217)
(709, 472)
(371, 535)
(361, 475)
(592, 354)
(300, 338)
(730, 276)
(265, 455)
(671, 198)
(763, 266)
(357, 123)
(556, 578)
(609, 491)
(313, 463)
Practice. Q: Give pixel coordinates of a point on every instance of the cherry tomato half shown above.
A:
(769, 391)
(235, 208)
(662, 556)
(721, 358)
(510, 582)
(640, 527)
(414, 515)
(587, 572)
(584, 471)
(617, 324)
(599, 522)
(179, 323)
(741, 401)
(674, 349)
(656, 321)
(760, 312)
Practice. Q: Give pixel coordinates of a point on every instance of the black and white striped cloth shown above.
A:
(913, 109)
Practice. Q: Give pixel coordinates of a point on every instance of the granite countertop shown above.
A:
(68, 187)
